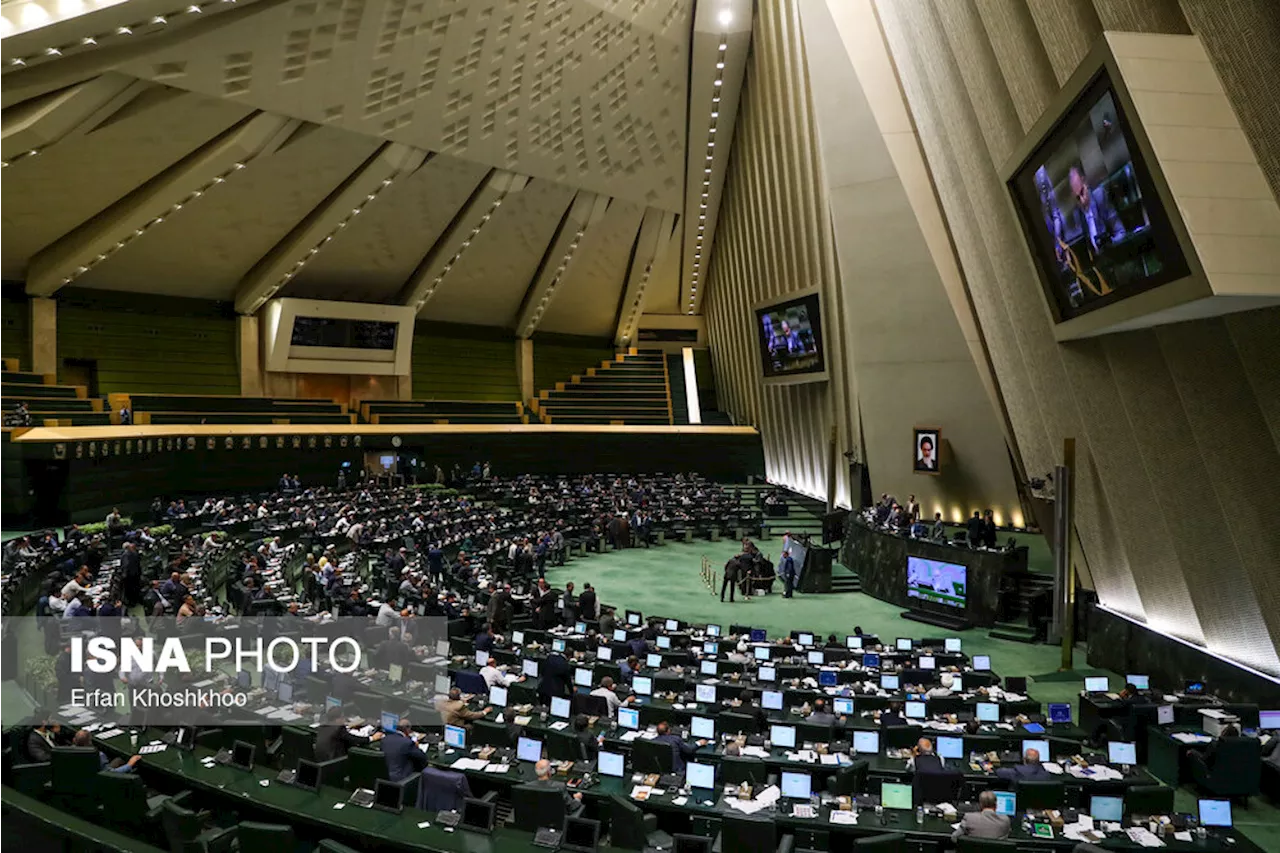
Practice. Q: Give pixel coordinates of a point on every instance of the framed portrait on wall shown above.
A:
(925, 450)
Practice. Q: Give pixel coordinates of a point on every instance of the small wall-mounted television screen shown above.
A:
(936, 581)
(1097, 228)
(790, 339)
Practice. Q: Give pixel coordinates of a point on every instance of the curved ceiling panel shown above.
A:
(586, 302)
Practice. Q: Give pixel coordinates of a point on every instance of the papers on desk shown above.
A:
(363, 731)
(806, 756)
(469, 764)
(1191, 737)
(523, 720)
(111, 733)
(648, 735)
(424, 824)
(1185, 835)
(1215, 713)
(1096, 772)
(1142, 836)
(679, 801)
(557, 726)
(846, 818)
(1053, 767)
(630, 736)
(497, 768)
(208, 682)
(153, 747)
(641, 792)
(755, 752)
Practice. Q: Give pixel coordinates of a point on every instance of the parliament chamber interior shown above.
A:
(681, 426)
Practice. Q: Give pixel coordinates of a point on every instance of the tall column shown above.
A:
(524, 368)
(44, 336)
(249, 356)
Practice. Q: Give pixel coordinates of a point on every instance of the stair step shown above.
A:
(1008, 631)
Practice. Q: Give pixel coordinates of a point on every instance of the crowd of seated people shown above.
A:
(905, 518)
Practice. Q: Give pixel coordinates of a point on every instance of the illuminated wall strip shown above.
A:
(546, 296)
(691, 387)
(699, 238)
(634, 317)
(457, 256)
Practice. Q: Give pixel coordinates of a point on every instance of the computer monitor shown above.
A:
(988, 712)
(1006, 803)
(702, 776)
(1096, 684)
(389, 722)
(843, 705)
(815, 657)
(797, 786)
(957, 683)
(713, 630)
(332, 702)
(951, 747)
(672, 625)
(1016, 684)
(951, 644)
(611, 764)
(1107, 808)
(1164, 715)
(242, 755)
(708, 667)
(871, 660)
(762, 652)
(866, 743)
(604, 653)
(784, 736)
(388, 796)
(284, 692)
(710, 648)
(1040, 746)
(903, 644)
(926, 662)
(771, 700)
(529, 668)
(184, 737)
(517, 638)
(888, 682)
(805, 639)
(1269, 719)
(482, 658)
(827, 678)
(1215, 813)
(642, 685)
(690, 843)
(664, 642)
(529, 749)
(455, 736)
(619, 635)
(1122, 752)
(628, 718)
(759, 635)
(582, 677)
(1194, 688)
(702, 727)
(767, 673)
(852, 641)
(1059, 712)
(581, 835)
(308, 776)
(1142, 682)
(653, 660)
(560, 707)
(894, 795)
(914, 710)
(442, 681)
(633, 618)
(982, 663)
(705, 692)
(558, 645)
(477, 815)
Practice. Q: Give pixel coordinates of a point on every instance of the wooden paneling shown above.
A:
(449, 364)
(15, 341)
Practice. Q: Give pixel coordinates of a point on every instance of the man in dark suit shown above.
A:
(544, 781)
(131, 571)
(1030, 770)
(587, 603)
(975, 530)
(396, 563)
(395, 650)
(484, 640)
(924, 759)
(402, 754)
(892, 716)
(333, 740)
(40, 742)
(985, 823)
(554, 678)
(681, 751)
(821, 715)
(732, 573)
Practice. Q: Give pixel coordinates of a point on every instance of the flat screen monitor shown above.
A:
(767, 673)
(629, 718)
(442, 681)
(498, 697)
(702, 727)
(691, 844)
(927, 662)
(1194, 688)
(1142, 682)
(843, 705)
(771, 700)
(1122, 752)
(827, 678)
(759, 635)
(388, 796)
(284, 692)
(529, 668)
(957, 683)
(619, 635)
(797, 786)
(611, 764)
(529, 749)
(1096, 684)
(805, 639)
(653, 660)
(478, 815)
(308, 778)
(672, 625)
(1106, 808)
(952, 644)
(951, 747)
(852, 641)
(914, 710)
(642, 685)
(557, 645)
(580, 627)
(389, 721)
(633, 617)
(784, 736)
(816, 658)
(762, 652)
(708, 667)
(701, 776)
(871, 660)
(1269, 720)
(713, 630)
(482, 658)
(581, 835)
(936, 582)
(1040, 746)
(982, 663)
(710, 648)
(903, 644)
(1215, 813)
(1090, 212)
(664, 642)
(894, 795)
(987, 712)
(789, 335)
(1006, 803)
(517, 638)
(582, 677)
(242, 755)
(455, 736)
(1164, 715)
(889, 682)
(560, 707)
(1059, 712)
(604, 653)
(866, 743)
(704, 692)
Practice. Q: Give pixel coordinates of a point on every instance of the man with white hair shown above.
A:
(947, 682)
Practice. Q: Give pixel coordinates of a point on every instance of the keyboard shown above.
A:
(802, 811)
(362, 797)
(286, 777)
(547, 837)
(448, 818)
(223, 756)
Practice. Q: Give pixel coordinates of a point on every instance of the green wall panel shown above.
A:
(458, 363)
(558, 362)
(15, 336)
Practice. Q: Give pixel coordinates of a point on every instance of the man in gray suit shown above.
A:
(1030, 770)
(985, 823)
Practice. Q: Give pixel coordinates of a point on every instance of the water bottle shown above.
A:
(919, 815)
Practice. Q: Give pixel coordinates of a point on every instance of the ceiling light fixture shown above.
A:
(726, 17)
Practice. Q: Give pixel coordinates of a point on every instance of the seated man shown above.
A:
(542, 770)
(402, 753)
(115, 765)
(333, 739)
(455, 711)
(923, 759)
(495, 677)
(1030, 770)
(681, 752)
(821, 715)
(985, 823)
(605, 690)
(892, 716)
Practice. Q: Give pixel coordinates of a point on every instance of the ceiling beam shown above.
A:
(652, 245)
(70, 113)
(586, 210)
(468, 221)
(182, 184)
(278, 267)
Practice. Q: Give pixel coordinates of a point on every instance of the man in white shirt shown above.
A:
(495, 677)
(58, 604)
(947, 681)
(387, 615)
(611, 699)
(76, 585)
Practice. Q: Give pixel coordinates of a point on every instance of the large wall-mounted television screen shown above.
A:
(790, 337)
(936, 581)
(1097, 228)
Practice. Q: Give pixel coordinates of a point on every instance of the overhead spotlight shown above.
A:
(52, 51)
(238, 166)
(193, 10)
(123, 31)
(386, 182)
(724, 46)
(719, 65)
(715, 114)
(707, 170)
(726, 17)
(369, 197)
(159, 19)
(718, 82)
(716, 99)
(16, 61)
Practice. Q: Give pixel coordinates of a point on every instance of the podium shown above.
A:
(816, 575)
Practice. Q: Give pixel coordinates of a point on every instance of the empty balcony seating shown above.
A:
(443, 412)
(222, 409)
(47, 403)
(631, 389)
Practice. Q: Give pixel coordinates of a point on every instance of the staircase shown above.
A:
(1027, 586)
(675, 382)
(630, 389)
(844, 579)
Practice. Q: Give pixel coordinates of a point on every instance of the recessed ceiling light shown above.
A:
(726, 17)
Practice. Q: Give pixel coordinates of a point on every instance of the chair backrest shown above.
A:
(486, 733)
(970, 844)
(123, 797)
(851, 779)
(626, 824)
(564, 746)
(649, 756)
(886, 842)
(1040, 795)
(899, 737)
(365, 767)
(73, 769)
(935, 788)
(1148, 799)
(732, 723)
(748, 835)
(534, 807)
(295, 744)
(257, 837)
(734, 770)
(470, 682)
(814, 732)
(442, 790)
(180, 825)
(328, 845)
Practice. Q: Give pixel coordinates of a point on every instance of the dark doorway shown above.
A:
(47, 480)
(80, 371)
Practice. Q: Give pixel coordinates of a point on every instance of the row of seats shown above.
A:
(631, 389)
(227, 409)
(443, 412)
(48, 403)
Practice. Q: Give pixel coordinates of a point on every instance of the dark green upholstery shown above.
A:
(850, 780)
(1040, 795)
(365, 767)
(254, 837)
(969, 844)
(34, 390)
(185, 832)
(1148, 799)
(1232, 767)
(888, 842)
